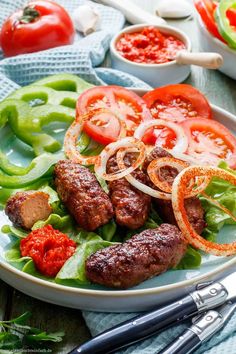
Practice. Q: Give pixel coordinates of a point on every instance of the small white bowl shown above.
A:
(212, 44)
(154, 74)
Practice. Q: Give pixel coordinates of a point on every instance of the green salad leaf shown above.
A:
(107, 231)
(13, 255)
(63, 223)
(225, 194)
(192, 259)
(74, 268)
(14, 231)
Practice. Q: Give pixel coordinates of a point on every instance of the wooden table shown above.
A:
(220, 90)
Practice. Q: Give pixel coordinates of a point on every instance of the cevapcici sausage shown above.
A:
(25, 208)
(83, 196)
(143, 256)
(130, 204)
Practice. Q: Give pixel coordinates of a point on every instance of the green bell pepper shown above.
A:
(41, 95)
(61, 89)
(27, 123)
(225, 29)
(39, 167)
(11, 169)
(64, 82)
(27, 111)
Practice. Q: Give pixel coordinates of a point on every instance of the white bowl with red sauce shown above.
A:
(152, 70)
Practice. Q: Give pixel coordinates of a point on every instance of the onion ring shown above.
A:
(73, 133)
(157, 164)
(197, 187)
(137, 184)
(70, 149)
(178, 191)
(109, 150)
(182, 141)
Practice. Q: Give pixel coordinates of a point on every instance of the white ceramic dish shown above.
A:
(211, 44)
(153, 292)
(154, 74)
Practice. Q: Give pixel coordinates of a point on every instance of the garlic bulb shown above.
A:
(86, 19)
(173, 8)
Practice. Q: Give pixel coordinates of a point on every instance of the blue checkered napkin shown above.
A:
(224, 342)
(79, 58)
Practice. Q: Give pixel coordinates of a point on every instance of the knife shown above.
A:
(205, 297)
(203, 328)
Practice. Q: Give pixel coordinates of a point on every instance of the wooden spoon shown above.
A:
(205, 60)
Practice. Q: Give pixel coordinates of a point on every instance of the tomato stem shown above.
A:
(29, 15)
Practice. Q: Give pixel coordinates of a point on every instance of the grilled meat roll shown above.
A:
(131, 206)
(192, 205)
(25, 208)
(83, 196)
(143, 256)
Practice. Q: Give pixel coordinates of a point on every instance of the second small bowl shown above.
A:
(154, 74)
(210, 43)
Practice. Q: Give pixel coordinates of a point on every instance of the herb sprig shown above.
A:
(16, 335)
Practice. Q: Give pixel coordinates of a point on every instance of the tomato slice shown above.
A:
(210, 141)
(206, 10)
(175, 103)
(104, 127)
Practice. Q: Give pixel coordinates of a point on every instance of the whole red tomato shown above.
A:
(41, 25)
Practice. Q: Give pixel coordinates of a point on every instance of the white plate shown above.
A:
(156, 291)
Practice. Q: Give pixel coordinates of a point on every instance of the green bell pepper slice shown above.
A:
(225, 29)
(41, 166)
(64, 82)
(41, 95)
(27, 123)
(61, 89)
(11, 169)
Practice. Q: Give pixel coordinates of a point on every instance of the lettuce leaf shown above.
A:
(191, 260)
(13, 255)
(107, 231)
(74, 268)
(225, 194)
(63, 223)
(14, 231)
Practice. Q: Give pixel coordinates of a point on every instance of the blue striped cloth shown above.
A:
(82, 58)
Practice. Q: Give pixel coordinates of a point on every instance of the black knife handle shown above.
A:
(185, 344)
(138, 328)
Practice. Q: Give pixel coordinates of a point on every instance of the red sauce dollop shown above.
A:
(49, 249)
(149, 46)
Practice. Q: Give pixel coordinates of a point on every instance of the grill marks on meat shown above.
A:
(131, 205)
(143, 256)
(83, 196)
(192, 205)
(25, 208)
